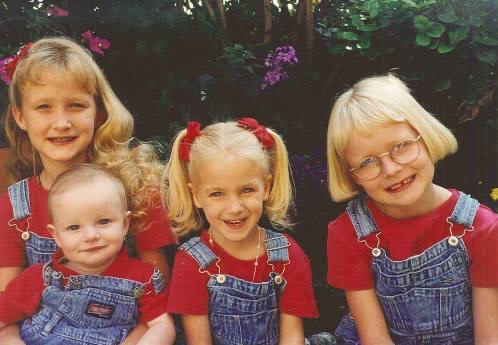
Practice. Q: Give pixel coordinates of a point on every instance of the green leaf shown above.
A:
(410, 3)
(486, 40)
(486, 55)
(459, 34)
(364, 41)
(435, 31)
(475, 21)
(423, 40)
(447, 18)
(347, 35)
(422, 23)
(374, 8)
(444, 48)
(443, 85)
(356, 21)
(434, 44)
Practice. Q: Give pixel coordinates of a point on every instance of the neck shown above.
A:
(244, 250)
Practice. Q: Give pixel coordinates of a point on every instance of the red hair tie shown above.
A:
(258, 130)
(193, 130)
(10, 67)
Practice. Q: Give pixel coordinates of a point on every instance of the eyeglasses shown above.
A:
(403, 153)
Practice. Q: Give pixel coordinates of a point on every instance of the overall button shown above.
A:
(453, 241)
(25, 235)
(220, 278)
(376, 252)
(278, 279)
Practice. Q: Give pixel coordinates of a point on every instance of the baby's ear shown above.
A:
(51, 229)
(195, 197)
(127, 219)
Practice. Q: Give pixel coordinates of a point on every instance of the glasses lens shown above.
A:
(405, 152)
(369, 169)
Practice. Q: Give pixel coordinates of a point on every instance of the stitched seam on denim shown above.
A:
(276, 246)
(199, 251)
(19, 199)
(465, 210)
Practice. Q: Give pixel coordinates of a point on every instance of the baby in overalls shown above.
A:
(418, 262)
(91, 292)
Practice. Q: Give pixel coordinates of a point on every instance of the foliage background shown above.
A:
(171, 61)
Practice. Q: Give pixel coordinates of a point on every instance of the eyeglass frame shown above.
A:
(416, 140)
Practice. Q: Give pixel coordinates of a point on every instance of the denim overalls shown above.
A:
(242, 312)
(97, 310)
(39, 249)
(427, 298)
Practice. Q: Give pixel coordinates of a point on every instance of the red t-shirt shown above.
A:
(12, 252)
(189, 293)
(22, 297)
(349, 261)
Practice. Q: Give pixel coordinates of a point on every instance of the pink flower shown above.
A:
(4, 76)
(57, 11)
(95, 43)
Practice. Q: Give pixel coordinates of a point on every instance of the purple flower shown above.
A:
(95, 43)
(276, 61)
(57, 11)
(3, 73)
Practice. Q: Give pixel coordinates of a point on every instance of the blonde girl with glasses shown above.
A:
(417, 261)
(61, 112)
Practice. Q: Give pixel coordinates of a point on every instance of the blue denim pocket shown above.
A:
(39, 249)
(346, 332)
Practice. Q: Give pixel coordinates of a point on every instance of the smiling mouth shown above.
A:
(93, 249)
(61, 139)
(402, 184)
(235, 224)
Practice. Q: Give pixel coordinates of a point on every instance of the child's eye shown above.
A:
(368, 162)
(215, 194)
(104, 221)
(247, 190)
(77, 105)
(73, 227)
(42, 106)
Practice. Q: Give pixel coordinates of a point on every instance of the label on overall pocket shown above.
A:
(96, 309)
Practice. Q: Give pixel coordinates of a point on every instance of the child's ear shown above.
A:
(17, 113)
(268, 185)
(195, 196)
(126, 222)
(53, 232)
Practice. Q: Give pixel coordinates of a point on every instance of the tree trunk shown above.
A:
(268, 21)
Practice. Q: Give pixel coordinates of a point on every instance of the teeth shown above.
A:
(234, 221)
(400, 184)
(62, 139)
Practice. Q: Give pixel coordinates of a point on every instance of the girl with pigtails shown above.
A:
(61, 112)
(235, 282)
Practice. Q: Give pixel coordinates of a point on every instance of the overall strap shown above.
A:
(465, 211)
(277, 247)
(50, 276)
(363, 221)
(19, 198)
(199, 251)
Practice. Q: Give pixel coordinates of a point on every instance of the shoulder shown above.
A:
(134, 269)
(341, 227)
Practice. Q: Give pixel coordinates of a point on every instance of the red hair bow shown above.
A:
(193, 130)
(10, 67)
(258, 130)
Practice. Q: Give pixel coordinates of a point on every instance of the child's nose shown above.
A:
(91, 233)
(62, 120)
(234, 205)
(389, 166)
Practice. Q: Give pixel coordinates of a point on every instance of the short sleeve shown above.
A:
(298, 297)
(22, 296)
(158, 232)
(188, 292)
(11, 244)
(483, 249)
(152, 305)
(348, 260)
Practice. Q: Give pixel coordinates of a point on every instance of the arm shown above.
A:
(9, 334)
(291, 330)
(156, 258)
(135, 335)
(161, 331)
(485, 310)
(197, 329)
(368, 317)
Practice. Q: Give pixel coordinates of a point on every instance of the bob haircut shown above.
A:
(214, 142)
(60, 56)
(371, 102)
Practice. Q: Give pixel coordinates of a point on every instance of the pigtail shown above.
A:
(281, 190)
(176, 191)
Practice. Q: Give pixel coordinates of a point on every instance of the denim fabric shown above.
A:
(98, 310)
(427, 298)
(39, 249)
(242, 312)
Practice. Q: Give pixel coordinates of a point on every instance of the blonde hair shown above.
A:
(372, 102)
(138, 167)
(213, 142)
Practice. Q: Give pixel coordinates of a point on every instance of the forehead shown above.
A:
(227, 172)
(45, 77)
(378, 139)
